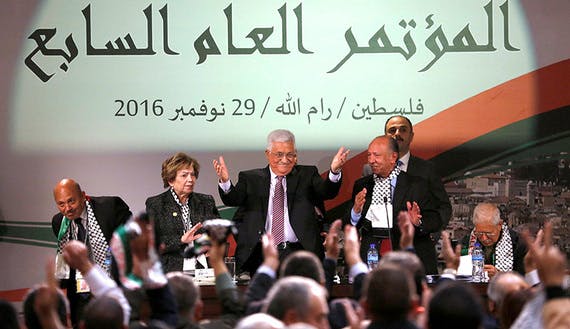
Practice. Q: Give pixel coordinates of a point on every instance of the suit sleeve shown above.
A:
(237, 194)
(325, 188)
(56, 224)
(123, 213)
(440, 196)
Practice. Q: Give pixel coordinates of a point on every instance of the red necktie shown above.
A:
(278, 218)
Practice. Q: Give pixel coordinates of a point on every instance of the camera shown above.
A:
(214, 230)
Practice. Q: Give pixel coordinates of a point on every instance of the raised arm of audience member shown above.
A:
(46, 301)
(332, 251)
(551, 264)
(531, 272)
(233, 307)
(75, 254)
(450, 256)
(357, 269)
(147, 266)
(264, 277)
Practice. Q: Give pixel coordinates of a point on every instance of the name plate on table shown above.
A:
(204, 276)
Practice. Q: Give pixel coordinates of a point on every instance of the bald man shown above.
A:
(91, 220)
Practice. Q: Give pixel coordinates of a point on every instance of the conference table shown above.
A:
(212, 308)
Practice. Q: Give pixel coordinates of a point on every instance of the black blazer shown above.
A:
(306, 189)
(110, 212)
(168, 225)
(408, 188)
(426, 170)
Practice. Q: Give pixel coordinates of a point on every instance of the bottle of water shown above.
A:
(108, 260)
(372, 256)
(478, 261)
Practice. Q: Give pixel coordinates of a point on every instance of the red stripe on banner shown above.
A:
(16, 295)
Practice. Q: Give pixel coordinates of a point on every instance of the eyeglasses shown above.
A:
(279, 155)
(488, 234)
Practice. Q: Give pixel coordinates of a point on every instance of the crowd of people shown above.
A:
(125, 272)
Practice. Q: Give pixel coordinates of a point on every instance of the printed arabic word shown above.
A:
(205, 44)
(43, 36)
(240, 107)
(131, 108)
(437, 43)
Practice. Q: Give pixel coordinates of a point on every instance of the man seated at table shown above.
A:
(503, 248)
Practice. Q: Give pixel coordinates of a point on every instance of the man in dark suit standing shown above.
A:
(283, 198)
(400, 128)
(92, 220)
(378, 198)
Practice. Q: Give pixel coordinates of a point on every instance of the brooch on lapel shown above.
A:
(175, 214)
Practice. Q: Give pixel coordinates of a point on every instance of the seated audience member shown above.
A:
(84, 218)
(50, 308)
(550, 306)
(179, 211)
(188, 299)
(503, 248)
(297, 299)
(300, 263)
(8, 316)
(454, 305)
(259, 321)
(512, 305)
(103, 312)
(498, 288)
(284, 199)
(388, 296)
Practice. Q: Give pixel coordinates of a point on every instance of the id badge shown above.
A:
(80, 283)
(61, 268)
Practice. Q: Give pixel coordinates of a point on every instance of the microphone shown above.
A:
(388, 221)
(387, 215)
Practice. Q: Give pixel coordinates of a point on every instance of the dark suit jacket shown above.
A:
(408, 188)
(110, 212)
(168, 225)
(306, 189)
(426, 170)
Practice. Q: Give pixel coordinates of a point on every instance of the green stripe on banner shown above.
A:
(227, 212)
(16, 230)
(28, 242)
(41, 234)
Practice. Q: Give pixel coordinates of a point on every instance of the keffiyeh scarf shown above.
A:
(95, 242)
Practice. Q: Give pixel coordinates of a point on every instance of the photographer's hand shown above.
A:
(216, 253)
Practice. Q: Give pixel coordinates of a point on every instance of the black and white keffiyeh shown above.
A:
(503, 249)
(95, 242)
(185, 211)
(382, 187)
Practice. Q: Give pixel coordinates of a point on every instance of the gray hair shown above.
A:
(293, 293)
(486, 210)
(259, 321)
(185, 292)
(280, 136)
(497, 288)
